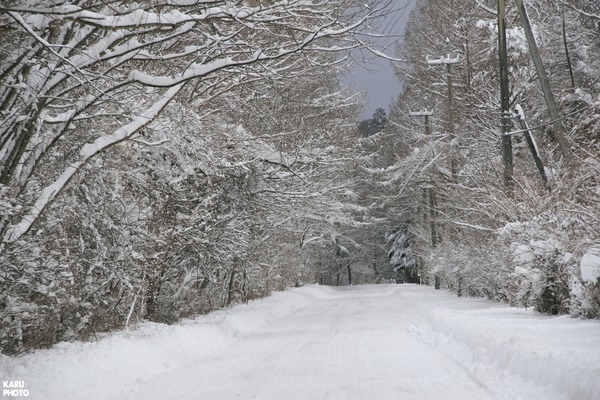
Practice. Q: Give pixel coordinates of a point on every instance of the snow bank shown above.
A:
(120, 364)
(514, 351)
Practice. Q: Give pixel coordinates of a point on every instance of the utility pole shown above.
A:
(429, 191)
(448, 62)
(531, 143)
(426, 114)
(432, 222)
(505, 115)
(429, 195)
(559, 128)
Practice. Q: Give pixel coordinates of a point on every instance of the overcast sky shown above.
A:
(377, 76)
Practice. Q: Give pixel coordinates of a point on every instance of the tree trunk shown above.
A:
(349, 274)
(432, 213)
(564, 34)
(230, 287)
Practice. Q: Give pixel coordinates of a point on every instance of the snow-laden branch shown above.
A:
(171, 18)
(310, 240)
(87, 152)
(472, 226)
(580, 11)
(442, 60)
(383, 55)
(487, 9)
(422, 113)
(42, 41)
(192, 72)
(84, 73)
(196, 70)
(150, 144)
(134, 19)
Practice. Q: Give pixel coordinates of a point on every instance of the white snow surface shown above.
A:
(590, 265)
(359, 342)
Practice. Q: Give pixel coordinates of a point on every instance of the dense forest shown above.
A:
(161, 159)
(505, 205)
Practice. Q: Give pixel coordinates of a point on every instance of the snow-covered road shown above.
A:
(355, 344)
(362, 342)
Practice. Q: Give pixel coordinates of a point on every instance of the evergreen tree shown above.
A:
(373, 125)
(379, 119)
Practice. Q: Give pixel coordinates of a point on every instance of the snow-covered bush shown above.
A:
(589, 267)
(539, 278)
(544, 257)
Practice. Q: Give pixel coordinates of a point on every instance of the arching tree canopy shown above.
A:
(159, 159)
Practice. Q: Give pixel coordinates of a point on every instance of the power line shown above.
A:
(544, 125)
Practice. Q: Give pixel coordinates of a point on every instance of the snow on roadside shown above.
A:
(118, 365)
(515, 352)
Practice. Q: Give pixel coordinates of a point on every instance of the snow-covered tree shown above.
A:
(142, 176)
(479, 226)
